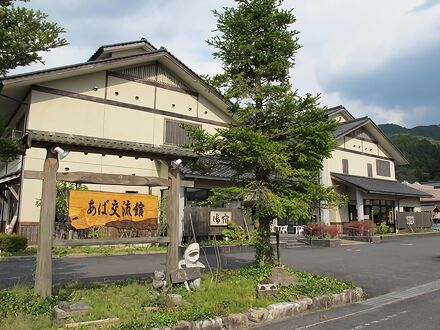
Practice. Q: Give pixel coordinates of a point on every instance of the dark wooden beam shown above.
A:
(13, 192)
(125, 105)
(111, 241)
(43, 270)
(173, 221)
(103, 178)
(106, 151)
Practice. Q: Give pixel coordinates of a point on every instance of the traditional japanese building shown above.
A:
(362, 167)
(136, 96)
(129, 93)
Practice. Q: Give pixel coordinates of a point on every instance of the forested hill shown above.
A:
(431, 131)
(421, 146)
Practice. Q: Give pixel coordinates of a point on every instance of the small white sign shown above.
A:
(219, 218)
(409, 219)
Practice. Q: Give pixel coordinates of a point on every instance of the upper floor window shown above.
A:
(383, 168)
(345, 166)
(175, 134)
(370, 170)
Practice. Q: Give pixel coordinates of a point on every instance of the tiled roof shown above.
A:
(101, 49)
(216, 171)
(350, 125)
(378, 186)
(98, 145)
(435, 193)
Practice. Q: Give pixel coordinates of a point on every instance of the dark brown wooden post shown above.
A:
(43, 271)
(173, 221)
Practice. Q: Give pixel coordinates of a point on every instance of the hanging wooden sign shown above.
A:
(97, 208)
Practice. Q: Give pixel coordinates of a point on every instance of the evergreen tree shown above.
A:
(279, 137)
(23, 34)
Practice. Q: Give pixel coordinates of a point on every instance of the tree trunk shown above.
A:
(264, 250)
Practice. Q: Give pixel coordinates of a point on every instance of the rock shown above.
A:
(281, 310)
(308, 301)
(182, 325)
(174, 299)
(212, 324)
(151, 309)
(346, 296)
(281, 277)
(236, 321)
(302, 305)
(337, 299)
(59, 314)
(257, 315)
(358, 294)
(323, 301)
(79, 306)
(65, 309)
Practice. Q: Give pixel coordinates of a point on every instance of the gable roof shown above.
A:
(349, 126)
(340, 109)
(147, 46)
(16, 87)
(379, 186)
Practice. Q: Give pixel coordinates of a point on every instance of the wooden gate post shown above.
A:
(43, 271)
(173, 221)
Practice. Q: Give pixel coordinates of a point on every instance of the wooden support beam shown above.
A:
(103, 178)
(43, 271)
(173, 221)
(13, 192)
(110, 241)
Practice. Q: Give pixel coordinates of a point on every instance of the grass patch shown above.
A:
(229, 291)
(108, 250)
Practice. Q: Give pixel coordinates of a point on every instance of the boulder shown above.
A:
(182, 325)
(281, 310)
(174, 299)
(63, 310)
(257, 315)
(236, 321)
(212, 324)
(281, 277)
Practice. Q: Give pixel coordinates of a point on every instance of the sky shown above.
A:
(377, 58)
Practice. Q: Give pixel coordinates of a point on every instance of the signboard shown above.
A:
(409, 220)
(97, 208)
(219, 218)
(185, 274)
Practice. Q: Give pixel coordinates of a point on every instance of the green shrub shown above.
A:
(12, 242)
(22, 302)
(234, 233)
(383, 228)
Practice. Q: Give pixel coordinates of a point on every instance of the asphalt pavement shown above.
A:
(401, 278)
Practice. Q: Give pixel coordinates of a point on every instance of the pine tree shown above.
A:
(23, 34)
(279, 137)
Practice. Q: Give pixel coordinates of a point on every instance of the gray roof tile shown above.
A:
(378, 186)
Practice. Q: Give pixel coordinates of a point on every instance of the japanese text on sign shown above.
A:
(218, 218)
(95, 208)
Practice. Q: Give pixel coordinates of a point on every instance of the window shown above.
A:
(175, 134)
(383, 168)
(345, 166)
(370, 170)
(194, 196)
(408, 209)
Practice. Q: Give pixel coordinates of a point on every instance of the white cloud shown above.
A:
(338, 36)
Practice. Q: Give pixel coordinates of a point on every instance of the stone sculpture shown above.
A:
(190, 260)
(159, 282)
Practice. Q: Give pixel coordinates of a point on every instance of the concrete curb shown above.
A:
(274, 312)
(404, 236)
(77, 255)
